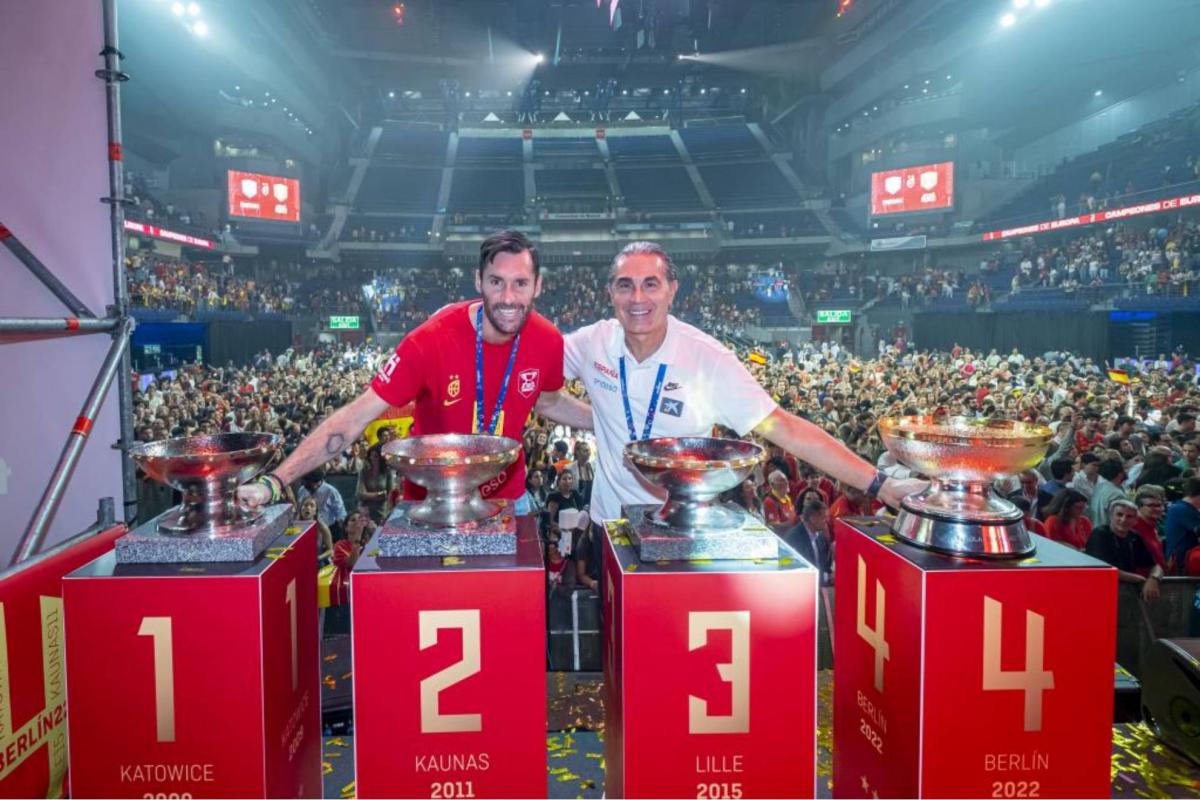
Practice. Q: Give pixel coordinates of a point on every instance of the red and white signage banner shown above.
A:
(170, 236)
(924, 188)
(1153, 207)
(263, 196)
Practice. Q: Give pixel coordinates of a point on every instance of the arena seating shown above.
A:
(571, 183)
(720, 142)
(395, 188)
(417, 144)
(747, 185)
(757, 224)
(642, 148)
(657, 188)
(488, 150)
(487, 190)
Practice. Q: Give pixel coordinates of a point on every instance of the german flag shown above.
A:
(756, 357)
(1119, 376)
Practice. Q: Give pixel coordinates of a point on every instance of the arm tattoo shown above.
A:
(334, 444)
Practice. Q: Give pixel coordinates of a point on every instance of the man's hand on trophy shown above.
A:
(253, 495)
(894, 490)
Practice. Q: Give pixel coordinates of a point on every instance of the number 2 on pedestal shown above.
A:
(429, 623)
(159, 629)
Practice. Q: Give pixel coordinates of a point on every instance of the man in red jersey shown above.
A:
(480, 366)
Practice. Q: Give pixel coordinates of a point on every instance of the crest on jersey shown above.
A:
(527, 381)
(454, 386)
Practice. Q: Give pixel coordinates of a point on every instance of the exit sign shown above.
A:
(834, 316)
(343, 323)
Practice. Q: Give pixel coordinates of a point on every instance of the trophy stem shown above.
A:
(442, 508)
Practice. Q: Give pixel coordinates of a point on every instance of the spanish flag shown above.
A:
(757, 358)
(1119, 376)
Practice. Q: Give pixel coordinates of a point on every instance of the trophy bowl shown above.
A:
(451, 467)
(959, 514)
(207, 470)
(694, 471)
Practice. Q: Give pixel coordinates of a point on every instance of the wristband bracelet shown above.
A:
(272, 482)
(876, 484)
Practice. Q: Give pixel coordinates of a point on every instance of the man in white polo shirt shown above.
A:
(649, 375)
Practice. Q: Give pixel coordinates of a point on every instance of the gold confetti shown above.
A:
(338, 741)
(193, 569)
(783, 562)
(451, 561)
(631, 568)
(292, 531)
(587, 784)
(1028, 562)
(886, 538)
(331, 657)
(559, 771)
(567, 776)
(348, 676)
(373, 553)
(326, 768)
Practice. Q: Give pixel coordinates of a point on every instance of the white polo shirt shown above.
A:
(704, 385)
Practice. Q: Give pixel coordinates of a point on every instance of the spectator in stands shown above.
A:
(559, 577)
(778, 509)
(375, 484)
(1032, 523)
(564, 496)
(1190, 460)
(1183, 531)
(1062, 472)
(1116, 544)
(535, 492)
(1037, 497)
(1151, 502)
(586, 553)
(1087, 473)
(346, 553)
(1066, 519)
(584, 469)
(308, 513)
(330, 508)
(810, 537)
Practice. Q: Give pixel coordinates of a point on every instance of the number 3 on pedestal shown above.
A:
(159, 629)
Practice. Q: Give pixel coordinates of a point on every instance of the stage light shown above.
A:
(237, 88)
(1097, 93)
(467, 94)
(666, 91)
(1008, 20)
(177, 9)
(539, 58)
(906, 86)
(200, 28)
(193, 9)
(743, 91)
(947, 77)
(1020, 3)
(510, 94)
(391, 95)
(1041, 3)
(704, 91)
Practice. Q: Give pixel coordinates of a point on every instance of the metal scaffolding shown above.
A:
(117, 322)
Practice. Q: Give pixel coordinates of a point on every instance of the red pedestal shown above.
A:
(967, 678)
(449, 661)
(710, 669)
(33, 691)
(196, 679)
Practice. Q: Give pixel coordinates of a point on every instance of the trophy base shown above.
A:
(748, 538)
(150, 543)
(961, 524)
(403, 537)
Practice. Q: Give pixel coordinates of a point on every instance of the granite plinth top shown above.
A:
(145, 544)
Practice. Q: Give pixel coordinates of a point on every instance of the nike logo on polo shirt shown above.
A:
(451, 402)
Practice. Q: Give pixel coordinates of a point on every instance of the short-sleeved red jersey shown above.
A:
(434, 368)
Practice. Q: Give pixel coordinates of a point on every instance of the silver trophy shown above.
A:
(960, 514)
(209, 524)
(453, 519)
(693, 524)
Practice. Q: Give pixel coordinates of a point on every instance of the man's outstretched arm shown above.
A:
(565, 409)
(336, 433)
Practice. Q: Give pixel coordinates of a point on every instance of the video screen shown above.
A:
(256, 196)
(924, 188)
